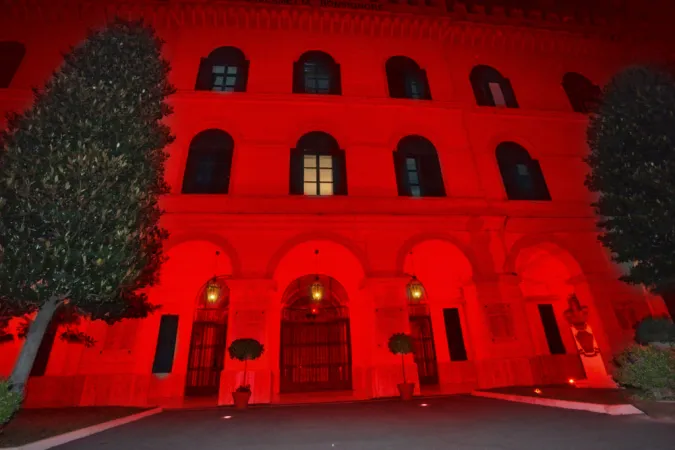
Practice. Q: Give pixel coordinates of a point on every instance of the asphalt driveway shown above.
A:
(460, 422)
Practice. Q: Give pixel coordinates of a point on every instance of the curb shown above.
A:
(612, 410)
(83, 432)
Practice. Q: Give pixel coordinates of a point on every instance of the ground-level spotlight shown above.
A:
(572, 382)
(227, 417)
(424, 405)
(537, 391)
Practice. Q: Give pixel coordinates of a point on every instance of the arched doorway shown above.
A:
(315, 352)
(423, 343)
(209, 336)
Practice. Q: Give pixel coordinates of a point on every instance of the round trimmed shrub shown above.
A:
(655, 329)
(649, 370)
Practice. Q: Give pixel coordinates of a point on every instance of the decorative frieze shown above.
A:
(350, 17)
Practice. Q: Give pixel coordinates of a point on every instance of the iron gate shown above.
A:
(315, 350)
(207, 352)
(423, 344)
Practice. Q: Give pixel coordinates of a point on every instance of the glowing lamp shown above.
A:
(572, 381)
(316, 290)
(415, 289)
(212, 291)
(537, 391)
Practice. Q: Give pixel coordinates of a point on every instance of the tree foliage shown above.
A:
(80, 176)
(400, 344)
(632, 162)
(245, 349)
(81, 173)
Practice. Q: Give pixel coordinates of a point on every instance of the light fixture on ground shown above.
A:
(213, 288)
(316, 289)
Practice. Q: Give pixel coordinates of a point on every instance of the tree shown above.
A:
(81, 172)
(632, 162)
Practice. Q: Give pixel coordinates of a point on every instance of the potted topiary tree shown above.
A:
(245, 350)
(401, 344)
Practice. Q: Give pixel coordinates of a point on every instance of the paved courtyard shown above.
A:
(462, 423)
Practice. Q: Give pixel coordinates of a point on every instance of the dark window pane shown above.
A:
(453, 332)
(166, 344)
(555, 343)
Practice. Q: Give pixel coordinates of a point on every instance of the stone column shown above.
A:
(251, 313)
(390, 305)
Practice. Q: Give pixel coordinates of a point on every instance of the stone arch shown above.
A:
(319, 236)
(547, 243)
(217, 240)
(412, 242)
(441, 264)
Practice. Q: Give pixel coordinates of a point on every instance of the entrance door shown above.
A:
(207, 352)
(315, 356)
(423, 344)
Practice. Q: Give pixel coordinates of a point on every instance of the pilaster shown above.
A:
(390, 304)
(250, 313)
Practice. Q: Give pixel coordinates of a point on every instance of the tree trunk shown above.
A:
(24, 364)
(245, 367)
(403, 366)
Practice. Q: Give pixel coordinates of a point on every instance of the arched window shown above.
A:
(11, 55)
(316, 73)
(418, 171)
(491, 88)
(224, 70)
(584, 96)
(522, 176)
(406, 79)
(209, 163)
(318, 166)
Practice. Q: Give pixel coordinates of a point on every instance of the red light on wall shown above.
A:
(572, 381)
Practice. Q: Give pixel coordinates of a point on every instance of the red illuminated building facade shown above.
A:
(437, 140)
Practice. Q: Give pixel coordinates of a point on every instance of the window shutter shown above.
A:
(509, 174)
(242, 77)
(222, 171)
(339, 173)
(296, 176)
(336, 80)
(401, 175)
(431, 176)
(204, 76)
(481, 90)
(11, 55)
(425, 82)
(540, 189)
(397, 84)
(298, 77)
(509, 95)
(166, 344)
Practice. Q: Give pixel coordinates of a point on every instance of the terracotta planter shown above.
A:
(406, 390)
(241, 399)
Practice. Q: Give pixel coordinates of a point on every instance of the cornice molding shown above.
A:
(458, 27)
